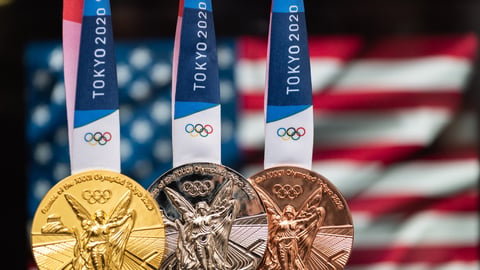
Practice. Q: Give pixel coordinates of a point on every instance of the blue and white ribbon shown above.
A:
(196, 123)
(95, 140)
(288, 94)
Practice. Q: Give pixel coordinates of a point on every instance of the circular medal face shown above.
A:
(214, 218)
(310, 226)
(98, 220)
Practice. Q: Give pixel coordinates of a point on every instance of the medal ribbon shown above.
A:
(288, 95)
(91, 86)
(196, 130)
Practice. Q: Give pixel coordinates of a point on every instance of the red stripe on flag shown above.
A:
(383, 153)
(341, 47)
(254, 48)
(389, 153)
(73, 10)
(462, 46)
(347, 47)
(368, 101)
(458, 153)
(438, 254)
(387, 100)
(466, 202)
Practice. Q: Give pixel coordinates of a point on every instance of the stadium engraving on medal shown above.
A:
(310, 226)
(214, 218)
(98, 220)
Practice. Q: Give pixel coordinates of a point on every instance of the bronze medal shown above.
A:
(214, 218)
(310, 226)
(98, 220)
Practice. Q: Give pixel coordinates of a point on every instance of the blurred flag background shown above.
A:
(395, 132)
(396, 87)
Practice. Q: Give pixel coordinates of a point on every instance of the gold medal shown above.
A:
(98, 220)
(310, 225)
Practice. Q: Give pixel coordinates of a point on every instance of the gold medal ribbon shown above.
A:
(91, 86)
(196, 123)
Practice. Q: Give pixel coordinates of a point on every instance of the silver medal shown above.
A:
(214, 218)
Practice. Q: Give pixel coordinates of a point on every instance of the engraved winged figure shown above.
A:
(203, 229)
(102, 239)
(291, 232)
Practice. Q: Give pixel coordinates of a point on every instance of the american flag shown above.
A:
(394, 132)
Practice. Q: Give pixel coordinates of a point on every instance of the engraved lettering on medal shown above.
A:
(269, 175)
(293, 66)
(145, 197)
(204, 230)
(299, 174)
(200, 75)
(49, 204)
(334, 197)
(183, 171)
(82, 179)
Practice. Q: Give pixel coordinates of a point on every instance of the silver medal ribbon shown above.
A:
(196, 123)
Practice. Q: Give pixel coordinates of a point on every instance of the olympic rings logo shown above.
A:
(97, 138)
(287, 191)
(198, 129)
(97, 196)
(197, 188)
(291, 133)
